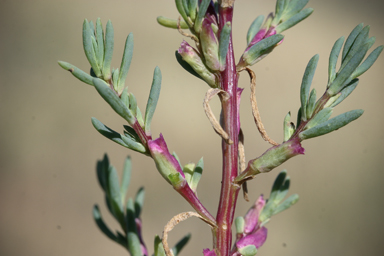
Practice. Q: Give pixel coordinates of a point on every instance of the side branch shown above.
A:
(255, 110)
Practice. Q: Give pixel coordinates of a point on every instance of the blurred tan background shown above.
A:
(49, 147)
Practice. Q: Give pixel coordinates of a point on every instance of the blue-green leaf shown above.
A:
(225, 36)
(311, 103)
(76, 72)
(100, 43)
(193, 8)
(108, 50)
(306, 84)
(125, 63)
(101, 224)
(319, 118)
(333, 59)
(249, 250)
(139, 202)
(294, 7)
(260, 49)
(288, 128)
(180, 245)
(351, 38)
(332, 124)
(152, 99)
(159, 249)
(360, 40)
(203, 7)
(89, 48)
(197, 173)
(102, 171)
(113, 100)
(126, 179)
(368, 62)
(279, 181)
(108, 132)
(254, 28)
(345, 92)
(171, 23)
(114, 196)
(291, 200)
(134, 145)
(180, 8)
(294, 20)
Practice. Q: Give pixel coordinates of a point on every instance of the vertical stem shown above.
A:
(230, 114)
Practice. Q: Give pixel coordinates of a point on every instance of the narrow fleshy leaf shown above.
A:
(294, 20)
(171, 23)
(192, 6)
(209, 45)
(76, 72)
(124, 97)
(294, 7)
(152, 99)
(306, 84)
(139, 117)
(254, 28)
(186, 7)
(333, 57)
(344, 76)
(126, 179)
(102, 171)
(115, 77)
(132, 104)
(125, 63)
(283, 191)
(280, 5)
(225, 36)
(180, 8)
(351, 38)
(114, 195)
(261, 48)
(319, 118)
(332, 124)
(288, 131)
(159, 249)
(88, 48)
(134, 145)
(108, 132)
(311, 103)
(134, 245)
(180, 244)
(299, 117)
(203, 7)
(360, 40)
(113, 100)
(92, 27)
(345, 92)
(186, 66)
(139, 201)
(197, 172)
(101, 224)
(291, 200)
(368, 62)
(279, 181)
(108, 50)
(130, 216)
(100, 43)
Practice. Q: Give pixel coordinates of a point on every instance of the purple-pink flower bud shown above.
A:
(257, 239)
(166, 163)
(208, 252)
(252, 217)
(210, 45)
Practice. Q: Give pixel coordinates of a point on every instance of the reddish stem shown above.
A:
(230, 114)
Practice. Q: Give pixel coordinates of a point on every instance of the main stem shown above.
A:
(230, 115)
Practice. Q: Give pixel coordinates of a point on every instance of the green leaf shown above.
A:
(345, 92)
(76, 72)
(108, 132)
(298, 121)
(293, 8)
(134, 145)
(332, 124)
(280, 5)
(125, 63)
(130, 216)
(225, 36)
(260, 49)
(152, 99)
(249, 250)
(126, 179)
(100, 43)
(239, 224)
(360, 40)
(279, 181)
(319, 118)
(101, 224)
(134, 245)
(171, 23)
(192, 8)
(333, 57)
(197, 173)
(132, 104)
(102, 171)
(311, 103)
(294, 20)
(139, 202)
(180, 245)
(283, 191)
(159, 249)
(368, 62)
(186, 7)
(351, 38)
(254, 28)
(88, 48)
(203, 7)
(291, 200)
(113, 100)
(115, 77)
(344, 76)
(288, 129)
(108, 50)
(114, 196)
(180, 8)
(306, 84)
